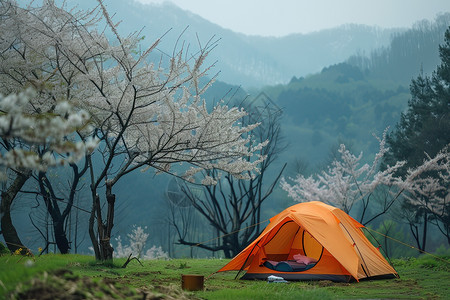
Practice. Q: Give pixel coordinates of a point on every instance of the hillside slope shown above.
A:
(250, 61)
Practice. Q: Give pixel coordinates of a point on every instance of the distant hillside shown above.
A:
(338, 105)
(250, 61)
(301, 54)
(409, 53)
(347, 102)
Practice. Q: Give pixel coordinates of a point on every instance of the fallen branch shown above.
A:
(130, 259)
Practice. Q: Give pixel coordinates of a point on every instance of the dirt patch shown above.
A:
(142, 274)
(325, 283)
(181, 266)
(63, 284)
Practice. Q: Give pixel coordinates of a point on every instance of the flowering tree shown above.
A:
(137, 241)
(34, 140)
(19, 125)
(429, 193)
(39, 130)
(145, 114)
(422, 132)
(233, 207)
(346, 183)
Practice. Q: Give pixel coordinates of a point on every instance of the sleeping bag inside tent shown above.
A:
(312, 241)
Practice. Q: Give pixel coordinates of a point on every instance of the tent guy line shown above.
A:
(407, 245)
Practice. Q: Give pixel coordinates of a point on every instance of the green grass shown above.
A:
(420, 278)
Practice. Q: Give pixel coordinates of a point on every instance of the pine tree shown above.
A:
(424, 130)
(425, 127)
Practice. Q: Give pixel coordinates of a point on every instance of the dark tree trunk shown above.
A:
(102, 242)
(105, 243)
(421, 242)
(227, 253)
(51, 203)
(92, 235)
(9, 232)
(60, 236)
(231, 245)
(425, 230)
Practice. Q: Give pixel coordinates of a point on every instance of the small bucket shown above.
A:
(192, 282)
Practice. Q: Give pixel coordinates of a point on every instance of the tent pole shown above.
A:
(240, 270)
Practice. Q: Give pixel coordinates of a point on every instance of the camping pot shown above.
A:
(192, 282)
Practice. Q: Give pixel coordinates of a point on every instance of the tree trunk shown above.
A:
(231, 246)
(10, 235)
(105, 249)
(105, 243)
(415, 230)
(51, 203)
(92, 235)
(425, 230)
(60, 236)
(227, 253)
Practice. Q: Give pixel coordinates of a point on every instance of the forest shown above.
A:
(109, 146)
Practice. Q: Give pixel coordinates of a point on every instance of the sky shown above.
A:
(283, 17)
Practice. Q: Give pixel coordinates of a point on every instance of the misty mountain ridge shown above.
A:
(249, 61)
(303, 54)
(254, 61)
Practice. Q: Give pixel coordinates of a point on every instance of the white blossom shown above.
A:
(155, 112)
(146, 113)
(428, 184)
(137, 241)
(47, 130)
(208, 180)
(345, 182)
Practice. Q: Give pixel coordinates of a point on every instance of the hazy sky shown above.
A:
(282, 17)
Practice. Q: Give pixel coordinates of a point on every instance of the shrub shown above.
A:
(3, 249)
(137, 241)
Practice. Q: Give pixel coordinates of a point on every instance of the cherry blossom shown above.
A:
(145, 112)
(40, 136)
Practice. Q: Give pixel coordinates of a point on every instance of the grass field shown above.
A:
(81, 277)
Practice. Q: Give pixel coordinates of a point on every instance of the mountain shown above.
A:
(250, 61)
(409, 53)
(338, 105)
(303, 54)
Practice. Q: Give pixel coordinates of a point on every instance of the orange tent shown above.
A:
(326, 235)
